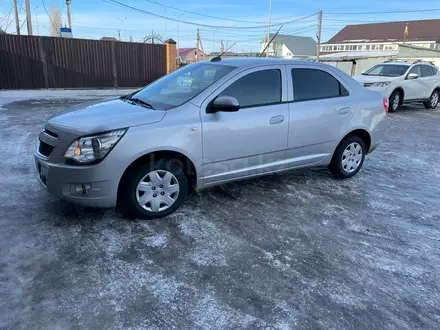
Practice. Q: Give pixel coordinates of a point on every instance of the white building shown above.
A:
(287, 46)
(385, 36)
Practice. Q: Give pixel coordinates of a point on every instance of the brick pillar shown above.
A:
(171, 55)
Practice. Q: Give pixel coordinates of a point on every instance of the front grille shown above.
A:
(368, 84)
(50, 133)
(45, 149)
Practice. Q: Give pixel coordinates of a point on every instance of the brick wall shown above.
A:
(171, 55)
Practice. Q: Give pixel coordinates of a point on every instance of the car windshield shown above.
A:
(181, 86)
(387, 70)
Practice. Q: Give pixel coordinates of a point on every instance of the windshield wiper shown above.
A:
(140, 102)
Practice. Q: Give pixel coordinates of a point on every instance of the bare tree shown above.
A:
(55, 20)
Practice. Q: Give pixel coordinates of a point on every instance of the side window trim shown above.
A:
(341, 85)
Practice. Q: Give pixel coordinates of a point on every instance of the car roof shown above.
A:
(397, 63)
(256, 61)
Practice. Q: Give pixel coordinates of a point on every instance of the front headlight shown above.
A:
(381, 84)
(91, 148)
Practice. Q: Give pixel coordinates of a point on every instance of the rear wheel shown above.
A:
(433, 100)
(154, 190)
(394, 101)
(348, 157)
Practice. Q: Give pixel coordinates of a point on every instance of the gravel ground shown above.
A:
(299, 250)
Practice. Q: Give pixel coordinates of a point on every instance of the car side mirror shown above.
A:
(223, 104)
(412, 76)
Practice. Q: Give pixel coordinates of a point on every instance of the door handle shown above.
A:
(276, 120)
(344, 111)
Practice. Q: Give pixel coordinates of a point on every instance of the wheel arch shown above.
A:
(181, 159)
(361, 133)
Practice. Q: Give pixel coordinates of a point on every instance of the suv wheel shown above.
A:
(394, 101)
(154, 190)
(348, 158)
(433, 100)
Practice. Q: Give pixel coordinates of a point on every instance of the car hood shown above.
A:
(100, 116)
(373, 79)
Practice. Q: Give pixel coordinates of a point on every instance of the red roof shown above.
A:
(184, 50)
(423, 30)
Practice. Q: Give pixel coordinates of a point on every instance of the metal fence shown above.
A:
(28, 62)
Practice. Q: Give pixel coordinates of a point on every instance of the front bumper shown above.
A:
(94, 186)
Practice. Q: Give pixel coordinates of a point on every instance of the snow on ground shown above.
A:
(298, 250)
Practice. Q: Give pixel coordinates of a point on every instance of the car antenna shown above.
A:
(274, 36)
(219, 57)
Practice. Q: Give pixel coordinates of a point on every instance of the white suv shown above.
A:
(404, 82)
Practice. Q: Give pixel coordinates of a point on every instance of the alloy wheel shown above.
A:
(434, 100)
(396, 101)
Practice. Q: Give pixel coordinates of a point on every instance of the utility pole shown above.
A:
(123, 26)
(119, 34)
(69, 19)
(318, 36)
(197, 45)
(165, 22)
(36, 20)
(222, 47)
(405, 34)
(178, 35)
(17, 20)
(202, 49)
(268, 26)
(28, 17)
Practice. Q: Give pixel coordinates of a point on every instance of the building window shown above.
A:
(367, 47)
(381, 47)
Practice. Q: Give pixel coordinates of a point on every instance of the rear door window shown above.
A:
(427, 71)
(314, 84)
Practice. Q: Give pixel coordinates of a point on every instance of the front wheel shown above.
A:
(348, 158)
(154, 190)
(394, 101)
(433, 100)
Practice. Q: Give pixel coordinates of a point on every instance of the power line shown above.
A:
(386, 12)
(350, 20)
(262, 38)
(7, 15)
(50, 19)
(200, 24)
(204, 15)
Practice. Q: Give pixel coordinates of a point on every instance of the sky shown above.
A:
(93, 19)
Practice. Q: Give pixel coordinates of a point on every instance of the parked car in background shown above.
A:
(206, 124)
(404, 82)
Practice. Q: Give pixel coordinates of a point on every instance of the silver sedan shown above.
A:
(206, 124)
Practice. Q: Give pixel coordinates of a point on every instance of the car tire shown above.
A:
(154, 190)
(394, 101)
(348, 157)
(433, 100)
